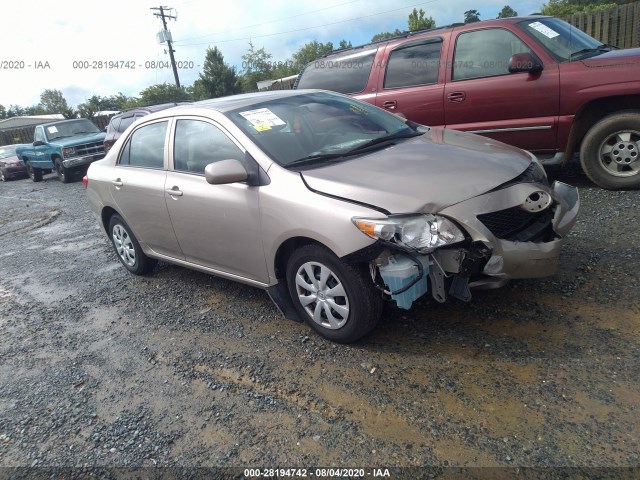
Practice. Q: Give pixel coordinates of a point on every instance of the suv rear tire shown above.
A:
(610, 152)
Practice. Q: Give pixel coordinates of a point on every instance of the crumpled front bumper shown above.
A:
(79, 161)
(519, 259)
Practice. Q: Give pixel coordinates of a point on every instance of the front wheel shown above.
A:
(610, 151)
(337, 300)
(34, 173)
(128, 249)
(64, 173)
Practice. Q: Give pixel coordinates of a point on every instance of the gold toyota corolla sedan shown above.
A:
(330, 204)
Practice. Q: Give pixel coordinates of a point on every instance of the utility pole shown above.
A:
(164, 16)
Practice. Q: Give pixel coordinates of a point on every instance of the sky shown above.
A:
(74, 46)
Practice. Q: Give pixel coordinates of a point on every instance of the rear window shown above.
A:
(345, 74)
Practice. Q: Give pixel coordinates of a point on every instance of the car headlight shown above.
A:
(68, 152)
(422, 232)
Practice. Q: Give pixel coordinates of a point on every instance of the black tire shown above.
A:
(609, 153)
(64, 174)
(361, 301)
(34, 173)
(128, 249)
(3, 177)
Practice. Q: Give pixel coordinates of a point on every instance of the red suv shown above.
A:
(536, 82)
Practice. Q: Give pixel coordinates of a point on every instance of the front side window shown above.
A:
(198, 143)
(145, 147)
(485, 53)
(344, 74)
(39, 135)
(413, 65)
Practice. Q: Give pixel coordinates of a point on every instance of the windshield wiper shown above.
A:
(317, 158)
(385, 139)
(78, 133)
(600, 48)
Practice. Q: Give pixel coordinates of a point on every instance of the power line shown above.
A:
(271, 21)
(164, 16)
(307, 28)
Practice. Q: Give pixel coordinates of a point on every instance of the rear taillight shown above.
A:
(85, 181)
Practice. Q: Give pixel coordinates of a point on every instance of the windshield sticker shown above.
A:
(52, 129)
(262, 119)
(543, 29)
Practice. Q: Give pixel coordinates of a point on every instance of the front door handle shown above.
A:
(390, 105)
(117, 182)
(457, 97)
(174, 192)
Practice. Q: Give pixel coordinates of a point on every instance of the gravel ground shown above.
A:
(104, 370)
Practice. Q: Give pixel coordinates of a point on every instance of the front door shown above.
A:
(218, 226)
(481, 96)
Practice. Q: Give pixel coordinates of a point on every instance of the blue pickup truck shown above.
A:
(67, 146)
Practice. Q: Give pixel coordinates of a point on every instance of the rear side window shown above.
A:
(145, 148)
(346, 74)
(198, 144)
(113, 125)
(485, 53)
(125, 122)
(413, 65)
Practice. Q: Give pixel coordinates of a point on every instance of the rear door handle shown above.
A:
(117, 182)
(174, 192)
(390, 104)
(457, 97)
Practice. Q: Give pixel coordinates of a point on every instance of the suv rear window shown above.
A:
(345, 74)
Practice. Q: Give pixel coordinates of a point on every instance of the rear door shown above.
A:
(411, 84)
(218, 226)
(137, 188)
(481, 96)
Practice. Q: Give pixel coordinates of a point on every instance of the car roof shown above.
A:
(433, 32)
(225, 104)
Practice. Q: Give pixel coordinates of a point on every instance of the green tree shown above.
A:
(385, 35)
(163, 93)
(345, 44)
(217, 78)
(507, 12)
(563, 8)
(256, 66)
(417, 20)
(52, 101)
(471, 16)
(310, 51)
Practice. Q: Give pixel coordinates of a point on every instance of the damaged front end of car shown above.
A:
(514, 231)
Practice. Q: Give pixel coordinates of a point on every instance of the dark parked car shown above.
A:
(10, 164)
(536, 82)
(121, 121)
(328, 203)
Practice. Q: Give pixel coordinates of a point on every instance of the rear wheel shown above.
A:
(64, 173)
(610, 151)
(34, 173)
(128, 249)
(337, 300)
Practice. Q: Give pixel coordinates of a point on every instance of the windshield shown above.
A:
(318, 127)
(562, 40)
(7, 152)
(82, 126)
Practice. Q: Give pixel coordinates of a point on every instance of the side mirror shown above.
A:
(524, 62)
(38, 143)
(225, 171)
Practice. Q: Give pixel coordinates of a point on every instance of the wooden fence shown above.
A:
(617, 26)
(25, 134)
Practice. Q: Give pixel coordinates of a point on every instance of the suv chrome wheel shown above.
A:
(620, 153)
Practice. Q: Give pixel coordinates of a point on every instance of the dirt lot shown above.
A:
(103, 369)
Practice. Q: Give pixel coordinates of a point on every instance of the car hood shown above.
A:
(79, 140)
(428, 173)
(614, 57)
